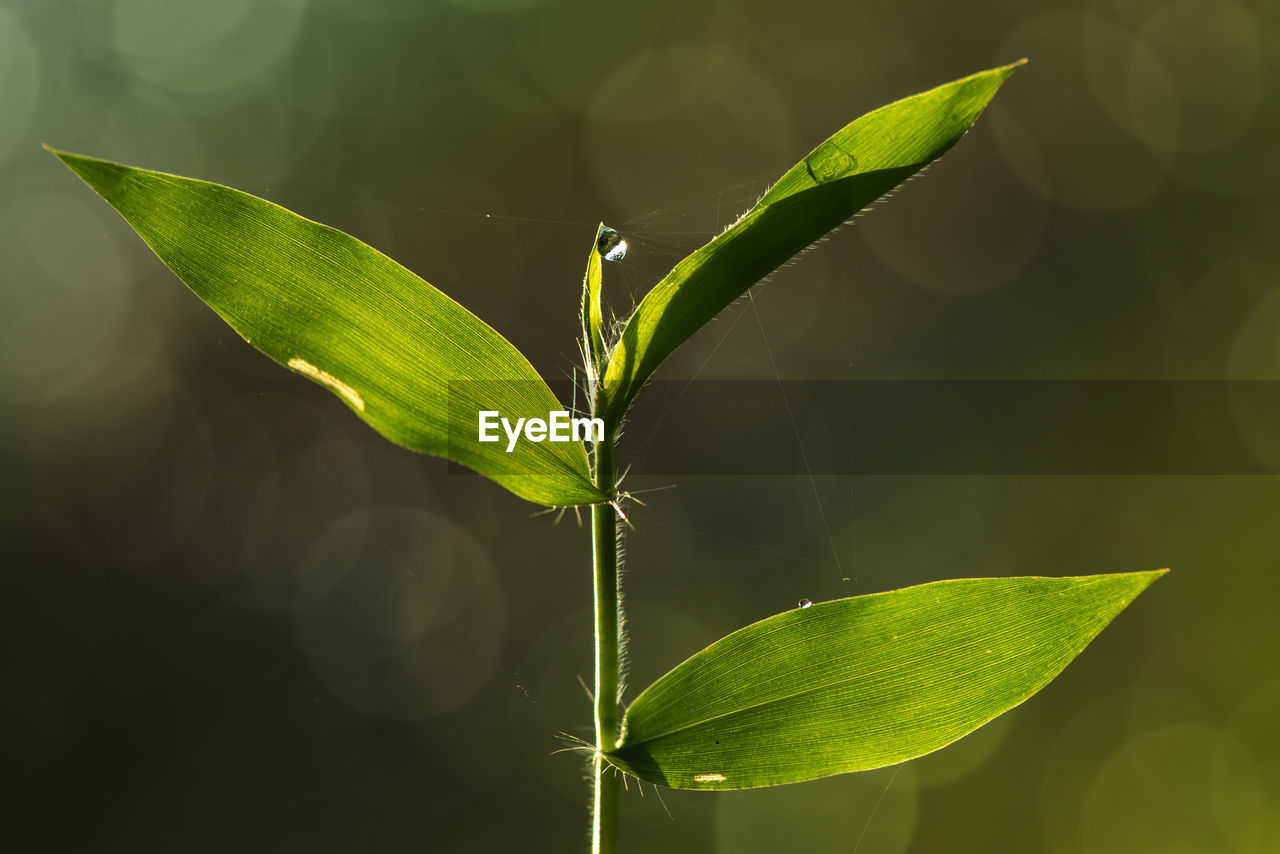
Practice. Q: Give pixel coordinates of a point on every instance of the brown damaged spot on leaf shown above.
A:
(349, 394)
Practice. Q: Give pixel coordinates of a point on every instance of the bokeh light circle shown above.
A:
(399, 612)
(1176, 788)
(1212, 55)
(976, 229)
(1129, 81)
(960, 759)
(204, 48)
(1083, 159)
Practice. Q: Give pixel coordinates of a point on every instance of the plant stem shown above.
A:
(604, 536)
(604, 809)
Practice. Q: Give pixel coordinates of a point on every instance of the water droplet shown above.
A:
(830, 162)
(805, 603)
(610, 245)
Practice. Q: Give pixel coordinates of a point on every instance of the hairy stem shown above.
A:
(604, 536)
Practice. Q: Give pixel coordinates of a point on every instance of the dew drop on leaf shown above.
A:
(805, 603)
(610, 245)
(830, 162)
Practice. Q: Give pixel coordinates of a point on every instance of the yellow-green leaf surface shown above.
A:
(863, 682)
(410, 361)
(592, 314)
(851, 169)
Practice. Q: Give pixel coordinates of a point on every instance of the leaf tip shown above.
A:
(75, 162)
(65, 156)
(1153, 575)
(1139, 582)
(1004, 71)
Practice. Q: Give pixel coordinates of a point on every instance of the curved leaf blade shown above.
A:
(411, 362)
(592, 315)
(863, 682)
(848, 171)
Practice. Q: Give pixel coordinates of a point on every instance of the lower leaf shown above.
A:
(863, 682)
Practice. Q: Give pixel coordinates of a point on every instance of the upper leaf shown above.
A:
(411, 362)
(863, 682)
(851, 169)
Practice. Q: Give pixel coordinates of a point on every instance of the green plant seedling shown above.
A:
(846, 685)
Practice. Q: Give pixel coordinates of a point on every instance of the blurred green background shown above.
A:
(235, 618)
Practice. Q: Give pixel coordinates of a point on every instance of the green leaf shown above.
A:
(860, 683)
(593, 343)
(411, 362)
(847, 172)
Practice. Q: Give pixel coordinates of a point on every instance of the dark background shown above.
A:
(234, 618)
